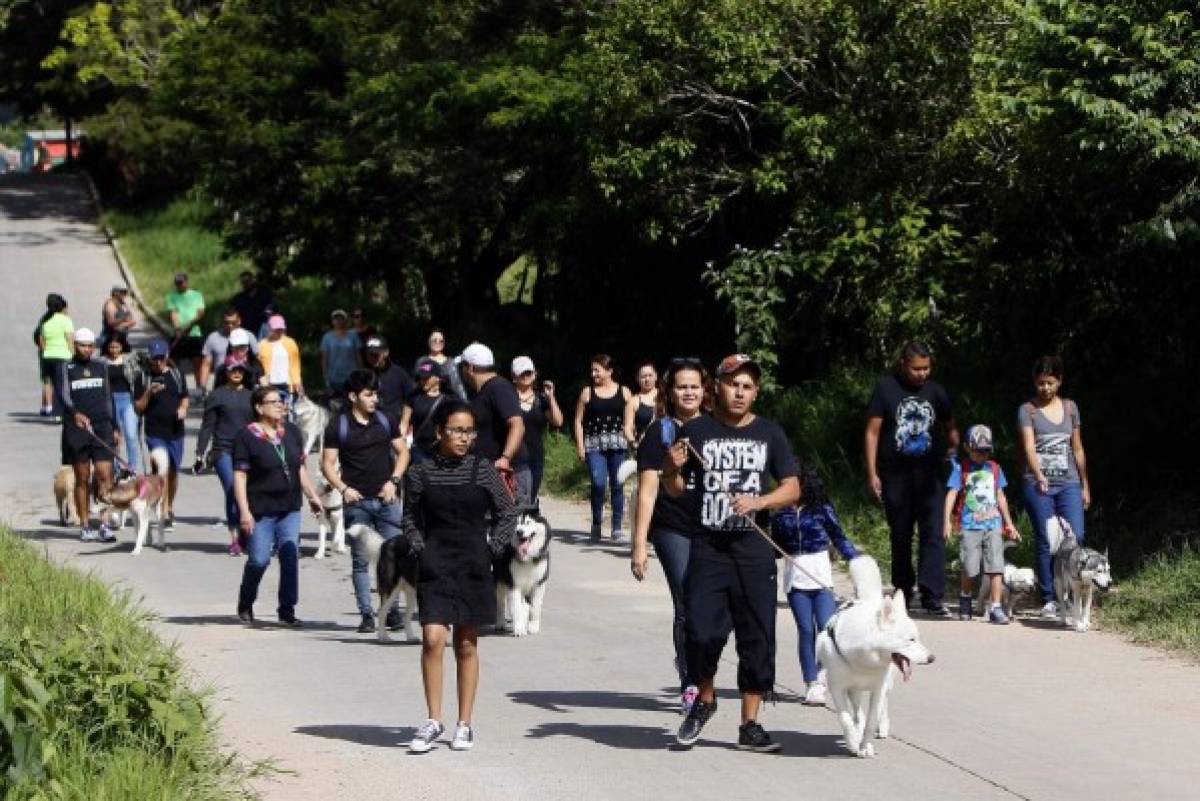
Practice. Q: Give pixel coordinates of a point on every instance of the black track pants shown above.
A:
(915, 498)
(721, 597)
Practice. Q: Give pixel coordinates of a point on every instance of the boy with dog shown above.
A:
(976, 506)
(729, 457)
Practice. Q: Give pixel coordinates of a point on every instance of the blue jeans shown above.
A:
(282, 532)
(812, 610)
(602, 468)
(384, 518)
(1065, 500)
(127, 420)
(223, 465)
(674, 550)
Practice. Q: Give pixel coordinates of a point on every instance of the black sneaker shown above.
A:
(246, 614)
(291, 621)
(935, 610)
(367, 626)
(753, 737)
(693, 724)
(393, 621)
(965, 607)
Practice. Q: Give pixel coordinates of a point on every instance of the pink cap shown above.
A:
(276, 323)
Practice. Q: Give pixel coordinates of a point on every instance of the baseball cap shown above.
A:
(376, 343)
(523, 364)
(739, 361)
(239, 336)
(85, 336)
(180, 277)
(157, 348)
(120, 288)
(478, 355)
(339, 313)
(276, 322)
(979, 438)
(426, 367)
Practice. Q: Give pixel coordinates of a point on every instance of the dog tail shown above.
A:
(864, 573)
(626, 471)
(370, 539)
(160, 462)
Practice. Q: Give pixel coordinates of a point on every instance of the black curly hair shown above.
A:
(812, 488)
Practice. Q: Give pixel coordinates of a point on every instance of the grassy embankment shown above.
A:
(823, 419)
(92, 704)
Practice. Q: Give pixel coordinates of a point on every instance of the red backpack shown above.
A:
(956, 520)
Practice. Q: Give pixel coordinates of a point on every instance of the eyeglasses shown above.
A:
(466, 433)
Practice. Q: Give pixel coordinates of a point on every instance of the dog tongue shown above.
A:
(523, 548)
(904, 665)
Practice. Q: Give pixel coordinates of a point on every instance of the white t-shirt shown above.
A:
(279, 363)
(816, 566)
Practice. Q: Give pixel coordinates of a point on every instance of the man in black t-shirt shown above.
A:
(364, 457)
(394, 385)
(910, 431)
(731, 584)
(498, 417)
(161, 397)
(252, 303)
(87, 404)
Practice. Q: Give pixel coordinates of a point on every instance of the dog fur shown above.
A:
(64, 495)
(396, 568)
(1017, 581)
(521, 572)
(143, 496)
(333, 519)
(1078, 573)
(311, 418)
(864, 644)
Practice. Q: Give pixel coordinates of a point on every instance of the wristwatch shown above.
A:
(397, 481)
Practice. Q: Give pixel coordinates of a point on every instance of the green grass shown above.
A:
(564, 476)
(1160, 603)
(92, 704)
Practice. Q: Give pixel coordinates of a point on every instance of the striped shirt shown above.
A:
(453, 472)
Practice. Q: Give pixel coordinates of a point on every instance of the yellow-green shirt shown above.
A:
(186, 303)
(55, 333)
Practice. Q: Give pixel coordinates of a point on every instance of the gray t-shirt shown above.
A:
(1052, 441)
(217, 345)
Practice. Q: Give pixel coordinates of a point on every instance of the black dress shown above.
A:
(461, 510)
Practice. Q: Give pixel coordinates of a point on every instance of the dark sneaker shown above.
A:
(367, 625)
(693, 724)
(246, 614)
(168, 522)
(996, 615)
(595, 532)
(291, 621)
(753, 737)
(935, 610)
(965, 607)
(393, 620)
(427, 734)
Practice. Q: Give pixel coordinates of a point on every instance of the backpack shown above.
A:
(344, 425)
(956, 520)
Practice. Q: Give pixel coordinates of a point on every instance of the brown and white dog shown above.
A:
(143, 496)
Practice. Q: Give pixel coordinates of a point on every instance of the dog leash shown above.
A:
(124, 465)
(761, 532)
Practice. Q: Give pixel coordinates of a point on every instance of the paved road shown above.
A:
(583, 710)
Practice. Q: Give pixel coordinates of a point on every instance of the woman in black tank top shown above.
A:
(600, 440)
(639, 410)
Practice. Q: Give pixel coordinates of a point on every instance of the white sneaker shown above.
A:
(107, 534)
(427, 734)
(815, 695)
(1050, 610)
(464, 738)
(89, 535)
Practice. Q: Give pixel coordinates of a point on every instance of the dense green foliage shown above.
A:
(1161, 604)
(812, 180)
(92, 704)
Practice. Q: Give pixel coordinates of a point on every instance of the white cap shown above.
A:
(478, 355)
(239, 336)
(84, 336)
(523, 364)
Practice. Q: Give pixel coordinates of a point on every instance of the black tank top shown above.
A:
(603, 423)
(642, 418)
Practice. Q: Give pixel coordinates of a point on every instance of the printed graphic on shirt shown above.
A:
(914, 426)
(86, 383)
(735, 467)
(980, 509)
(1054, 453)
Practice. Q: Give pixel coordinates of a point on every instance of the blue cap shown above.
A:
(157, 348)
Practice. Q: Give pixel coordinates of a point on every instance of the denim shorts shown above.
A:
(173, 447)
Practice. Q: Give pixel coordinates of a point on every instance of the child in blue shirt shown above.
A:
(976, 506)
(806, 534)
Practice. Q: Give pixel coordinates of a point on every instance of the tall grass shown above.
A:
(564, 476)
(1160, 603)
(92, 704)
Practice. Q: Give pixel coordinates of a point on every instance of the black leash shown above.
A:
(124, 465)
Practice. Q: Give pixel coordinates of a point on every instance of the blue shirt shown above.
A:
(341, 354)
(811, 530)
(980, 507)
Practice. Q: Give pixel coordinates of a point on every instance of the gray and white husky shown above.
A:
(1078, 573)
(861, 649)
(521, 573)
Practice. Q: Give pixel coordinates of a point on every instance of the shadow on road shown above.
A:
(564, 700)
(378, 736)
(260, 623)
(638, 738)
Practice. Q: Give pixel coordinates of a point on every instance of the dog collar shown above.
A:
(831, 630)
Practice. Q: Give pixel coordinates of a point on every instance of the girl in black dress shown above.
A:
(458, 515)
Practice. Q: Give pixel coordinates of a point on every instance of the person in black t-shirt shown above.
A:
(268, 480)
(252, 303)
(88, 435)
(910, 432)
(539, 408)
(430, 395)
(497, 416)
(731, 575)
(364, 458)
(661, 519)
(161, 397)
(395, 385)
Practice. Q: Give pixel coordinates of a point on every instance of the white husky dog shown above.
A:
(521, 572)
(311, 418)
(859, 648)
